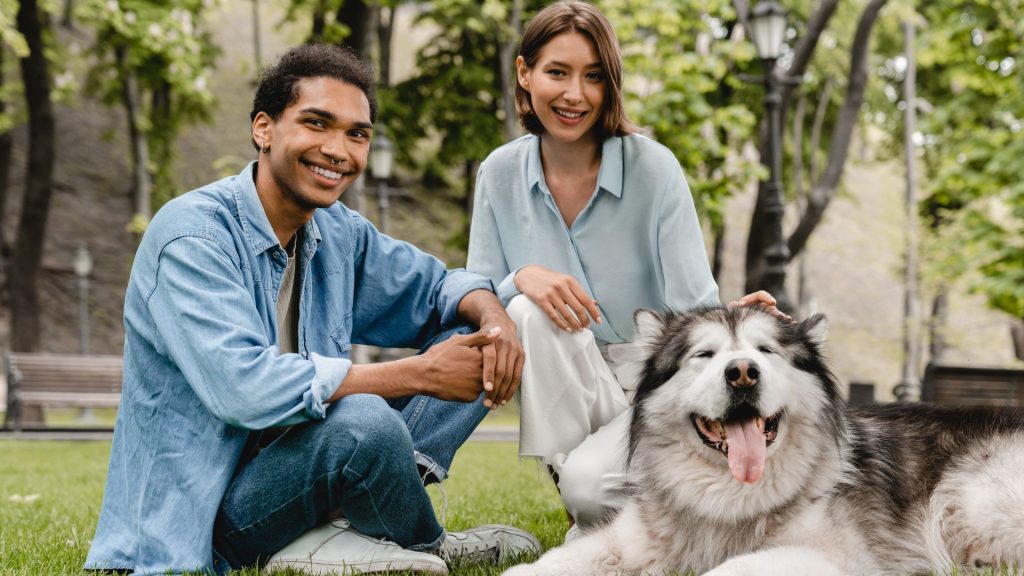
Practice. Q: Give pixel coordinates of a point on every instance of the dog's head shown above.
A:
(726, 385)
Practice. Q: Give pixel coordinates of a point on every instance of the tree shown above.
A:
(824, 189)
(11, 41)
(681, 59)
(456, 97)
(27, 260)
(153, 59)
(969, 58)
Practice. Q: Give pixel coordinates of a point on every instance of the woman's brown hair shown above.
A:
(584, 18)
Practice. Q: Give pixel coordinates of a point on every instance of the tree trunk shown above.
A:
(385, 29)
(507, 58)
(909, 387)
(28, 251)
(6, 145)
(802, 55)
(257, 37)
(801, 200)
(356, 16)
(142, 189)
(824, 190)
(937, 325)
(316, 33)
(718, 253)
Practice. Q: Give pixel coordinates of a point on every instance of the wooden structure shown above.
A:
(973, 385)
(40, 380)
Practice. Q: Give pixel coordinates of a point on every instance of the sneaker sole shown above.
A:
(332, 569)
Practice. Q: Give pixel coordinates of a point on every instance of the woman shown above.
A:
(580, 223)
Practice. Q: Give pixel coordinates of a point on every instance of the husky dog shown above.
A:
(744, 460)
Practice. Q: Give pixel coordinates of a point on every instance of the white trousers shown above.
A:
(574, 410)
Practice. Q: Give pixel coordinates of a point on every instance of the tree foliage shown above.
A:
(163, 47)
(971, 138)
(681, 85)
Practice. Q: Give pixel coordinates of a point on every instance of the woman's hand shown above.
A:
(559, 295)
(763, 299)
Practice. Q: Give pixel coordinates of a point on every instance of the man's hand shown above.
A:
(452, 369)
(763, 299)
(503, 361)
(560, 296)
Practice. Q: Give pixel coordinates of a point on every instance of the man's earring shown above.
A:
(265, 149)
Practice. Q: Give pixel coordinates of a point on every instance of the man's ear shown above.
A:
(648, 326)
(522, 73)
(261, 129)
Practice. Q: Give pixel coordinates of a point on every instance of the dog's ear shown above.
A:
(816, 328)
(648, 326)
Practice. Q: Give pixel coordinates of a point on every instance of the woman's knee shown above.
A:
(586, 487)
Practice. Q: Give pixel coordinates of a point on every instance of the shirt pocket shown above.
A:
(342, 336)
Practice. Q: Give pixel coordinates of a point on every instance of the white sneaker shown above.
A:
(492, 543)
(336, 548)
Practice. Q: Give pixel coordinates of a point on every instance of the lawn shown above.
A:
(50, 495)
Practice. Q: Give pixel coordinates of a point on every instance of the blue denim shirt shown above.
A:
(201, 365)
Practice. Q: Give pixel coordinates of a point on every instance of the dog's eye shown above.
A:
(704, 354)
(765, 350)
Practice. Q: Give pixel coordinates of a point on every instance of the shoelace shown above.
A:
(444, 497)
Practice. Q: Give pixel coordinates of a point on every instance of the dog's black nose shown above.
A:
(742, 373)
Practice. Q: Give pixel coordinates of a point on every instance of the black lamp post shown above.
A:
(382, 158)
(767, 27)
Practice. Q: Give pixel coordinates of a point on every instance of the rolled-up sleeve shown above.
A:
(209, 325)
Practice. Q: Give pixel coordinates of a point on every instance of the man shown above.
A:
(245, 435)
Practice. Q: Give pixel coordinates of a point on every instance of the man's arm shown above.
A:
(448, 371)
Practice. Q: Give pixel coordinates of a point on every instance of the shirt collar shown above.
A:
(254, 218)
(609, 177)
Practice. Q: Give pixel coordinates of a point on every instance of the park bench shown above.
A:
(40, 380)
(973, 385)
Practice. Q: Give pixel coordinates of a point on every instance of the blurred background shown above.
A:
(862, 158)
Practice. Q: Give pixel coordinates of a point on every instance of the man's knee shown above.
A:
(363, 428)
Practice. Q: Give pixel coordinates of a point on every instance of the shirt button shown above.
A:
(305, 354)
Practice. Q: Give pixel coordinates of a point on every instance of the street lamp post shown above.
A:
(82, 265)
(382, 158)
(767, 26)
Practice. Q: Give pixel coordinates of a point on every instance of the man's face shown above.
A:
(318, 146)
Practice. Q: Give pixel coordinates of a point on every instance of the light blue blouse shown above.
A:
(637, 243)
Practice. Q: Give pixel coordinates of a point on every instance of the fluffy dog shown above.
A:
(745, 460)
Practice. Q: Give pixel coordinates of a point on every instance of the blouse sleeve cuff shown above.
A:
(507, 288)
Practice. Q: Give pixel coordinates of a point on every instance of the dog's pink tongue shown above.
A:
(747, 446)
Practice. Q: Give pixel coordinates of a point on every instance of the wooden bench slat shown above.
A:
(62, 380)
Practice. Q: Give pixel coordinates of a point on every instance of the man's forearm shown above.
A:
(483, 309)
(396, 379)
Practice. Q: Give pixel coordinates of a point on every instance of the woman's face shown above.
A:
(566, 86)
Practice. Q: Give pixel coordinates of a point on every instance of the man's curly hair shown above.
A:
(278, 87)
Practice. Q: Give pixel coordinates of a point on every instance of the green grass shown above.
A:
(50, 495)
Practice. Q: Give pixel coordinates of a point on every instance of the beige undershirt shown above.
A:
(288, 306)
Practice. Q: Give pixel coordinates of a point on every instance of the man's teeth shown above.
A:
(326, 173)
(565, 114)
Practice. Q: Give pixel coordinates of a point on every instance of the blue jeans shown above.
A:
(367, 459)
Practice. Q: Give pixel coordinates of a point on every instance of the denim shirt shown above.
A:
(636, 244)
(201, 364)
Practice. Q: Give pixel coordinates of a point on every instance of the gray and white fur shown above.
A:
(745, 460)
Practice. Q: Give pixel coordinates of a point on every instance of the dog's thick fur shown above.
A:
(896, 489)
